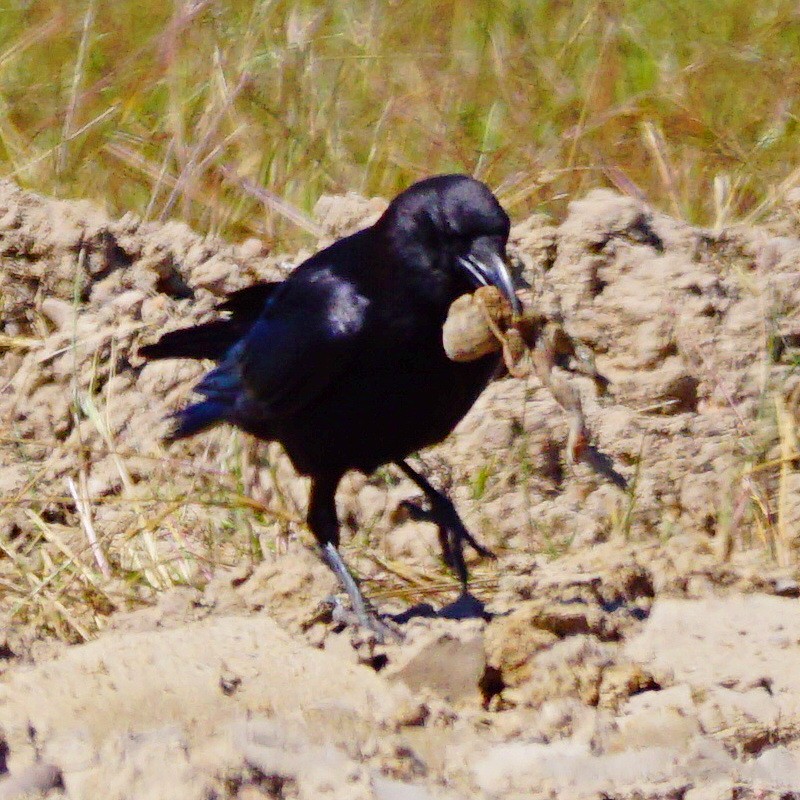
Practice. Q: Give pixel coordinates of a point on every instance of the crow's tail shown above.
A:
(214, 339)
(221, 389)
(210, 340)
(195, 418)
(217, 340)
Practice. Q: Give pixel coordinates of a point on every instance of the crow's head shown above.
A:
(450, 233)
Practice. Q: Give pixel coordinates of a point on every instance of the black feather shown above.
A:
(213, 339)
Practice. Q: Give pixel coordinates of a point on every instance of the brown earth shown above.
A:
(643, 644)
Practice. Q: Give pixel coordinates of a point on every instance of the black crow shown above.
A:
(343, 362)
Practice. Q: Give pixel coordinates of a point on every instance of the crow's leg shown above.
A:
(452, 531)
(324, 525)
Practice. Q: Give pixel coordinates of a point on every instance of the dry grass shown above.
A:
(170, 109)
(237, 116)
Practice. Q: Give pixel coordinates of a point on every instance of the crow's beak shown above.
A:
(489, 269)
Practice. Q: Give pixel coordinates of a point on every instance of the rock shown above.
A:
(442, 657)
(665, 727)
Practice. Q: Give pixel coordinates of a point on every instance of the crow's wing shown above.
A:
(304, 340)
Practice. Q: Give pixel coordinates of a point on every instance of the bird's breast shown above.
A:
(398, 395)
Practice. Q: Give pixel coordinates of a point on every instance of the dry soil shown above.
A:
(641, 644)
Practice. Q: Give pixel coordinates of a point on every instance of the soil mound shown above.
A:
(163, 630)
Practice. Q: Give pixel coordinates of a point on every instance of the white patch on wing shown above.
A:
(346, 309)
